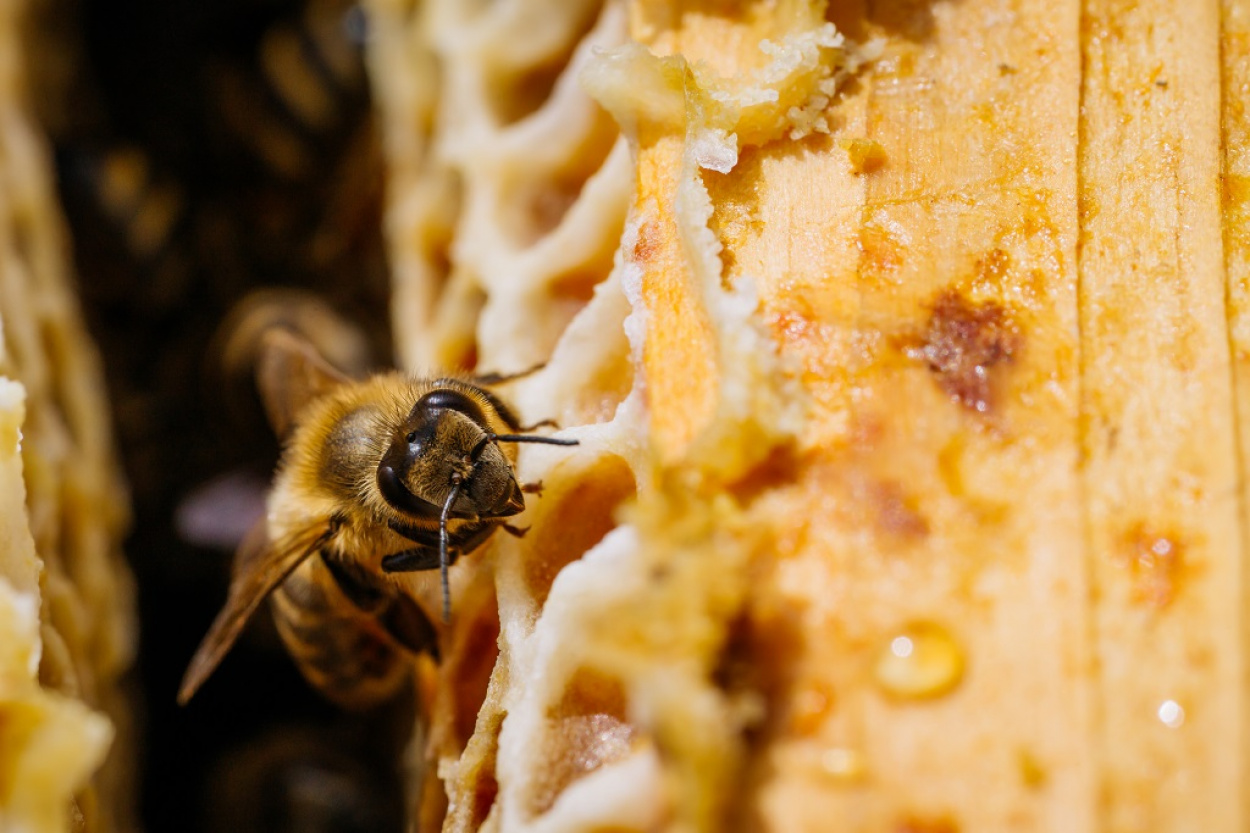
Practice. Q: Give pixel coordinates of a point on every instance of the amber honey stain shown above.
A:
(923, 824)
(15, 730)
(10, 435)
(966, 345)
(1236, 191)
(897, 513)
(1156, 564)
(791, 325)
(993, 266)
(950, 466)
(1088, 208)
(648, 242)
(880, 252)
(1236, 209)
(1032, 773)
(735, 207)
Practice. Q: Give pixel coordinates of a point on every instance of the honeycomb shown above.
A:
(66, 601)
(906, 345)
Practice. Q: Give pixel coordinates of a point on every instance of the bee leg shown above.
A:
(500, 378)
(414, 560)
(535, 488)
(542, 423)
(515, 531)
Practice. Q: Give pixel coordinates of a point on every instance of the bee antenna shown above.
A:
(531, 438)
(443, 559)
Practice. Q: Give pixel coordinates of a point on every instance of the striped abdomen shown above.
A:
(351, 637)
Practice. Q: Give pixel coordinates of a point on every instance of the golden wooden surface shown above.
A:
(1080, 538)
(1161, 474)
(1235, 149)
(1019, 350)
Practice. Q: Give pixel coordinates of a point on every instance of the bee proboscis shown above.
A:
(387, 475)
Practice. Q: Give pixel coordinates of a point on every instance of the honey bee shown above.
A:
(383, 476)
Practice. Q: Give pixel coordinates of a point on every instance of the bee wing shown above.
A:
(260, 565)
(290, 374)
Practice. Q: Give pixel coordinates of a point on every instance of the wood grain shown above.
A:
(1076, 527)
(1161, 458)
(1235, 135)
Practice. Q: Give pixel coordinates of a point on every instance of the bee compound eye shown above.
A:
(411, 438)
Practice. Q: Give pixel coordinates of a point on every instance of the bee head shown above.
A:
(445, 441)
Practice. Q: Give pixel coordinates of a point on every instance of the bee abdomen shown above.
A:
(342, 650)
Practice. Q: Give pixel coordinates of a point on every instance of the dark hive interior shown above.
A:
(207, 151)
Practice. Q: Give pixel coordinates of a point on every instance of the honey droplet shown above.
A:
(920, 662)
